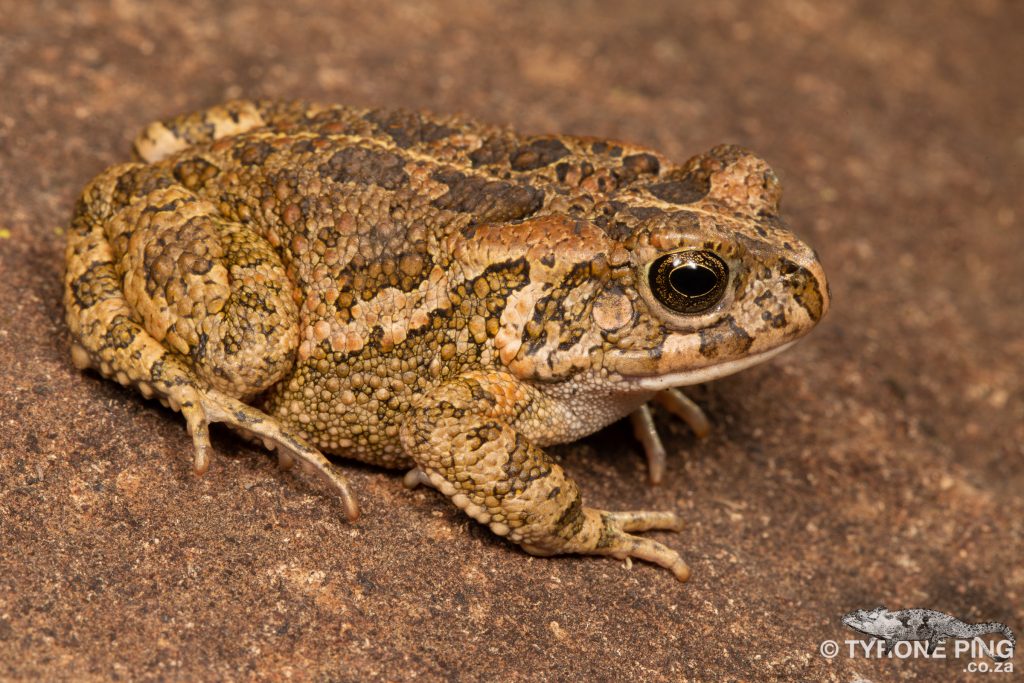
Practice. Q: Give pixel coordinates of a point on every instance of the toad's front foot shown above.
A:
(600, 533)
(607, 533)
(677, 403)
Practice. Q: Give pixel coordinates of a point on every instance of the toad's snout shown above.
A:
(805, 279)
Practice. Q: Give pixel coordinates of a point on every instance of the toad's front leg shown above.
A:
(467, 439)
(677, 403)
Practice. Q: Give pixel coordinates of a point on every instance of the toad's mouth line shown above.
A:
(688, 377)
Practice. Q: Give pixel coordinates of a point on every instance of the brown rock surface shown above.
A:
(880, 461)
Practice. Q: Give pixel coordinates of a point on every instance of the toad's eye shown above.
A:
(689, 282)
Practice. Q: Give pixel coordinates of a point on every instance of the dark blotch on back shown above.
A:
(138, 181)
(686, 190)
(645, 212)
(407, 128)
(253, 153)
(537, 154)
(303, 146)
(641, 164)
(487, 200)
(367, 166)
(493, 151)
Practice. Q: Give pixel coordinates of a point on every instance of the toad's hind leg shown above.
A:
(216, 407)
(467, 441)
(163, 294)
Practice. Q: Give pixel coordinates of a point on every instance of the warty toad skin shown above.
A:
(433, 294)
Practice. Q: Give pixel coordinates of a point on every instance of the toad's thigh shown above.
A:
(210, 291)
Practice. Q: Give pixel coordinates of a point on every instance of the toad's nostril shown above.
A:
(808, 286)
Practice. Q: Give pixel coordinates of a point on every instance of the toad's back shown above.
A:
(359, 186)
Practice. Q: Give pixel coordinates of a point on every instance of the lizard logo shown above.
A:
(922, 624)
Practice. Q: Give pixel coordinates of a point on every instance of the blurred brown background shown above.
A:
(880, 461)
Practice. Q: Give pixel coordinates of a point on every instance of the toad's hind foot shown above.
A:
(203, 408)
(677, 403)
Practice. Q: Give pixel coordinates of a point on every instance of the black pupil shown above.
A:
(693, 280)
(689, 282)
